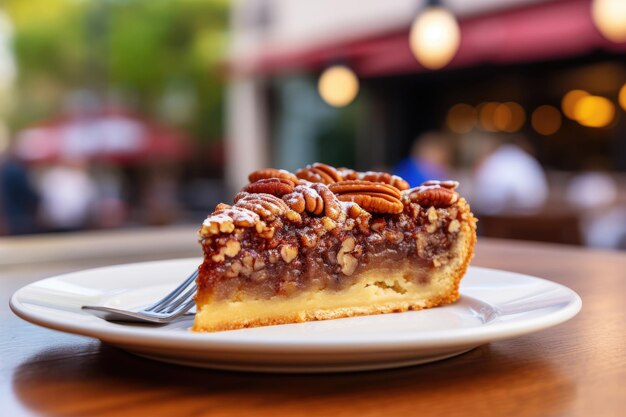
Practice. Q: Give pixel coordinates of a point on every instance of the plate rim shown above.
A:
(149, 337)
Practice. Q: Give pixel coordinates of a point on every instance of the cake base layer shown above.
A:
(375, 291)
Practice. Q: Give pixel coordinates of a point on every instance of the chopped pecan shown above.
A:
(222, 206)
(230, 249)
(319, 172)
(273, 186)
(345, 259)
(215, 224)
(433, 196)
(288, 253)
(266, 173)
(225, 218)
(373, 197)
(378, 224)
(353, 210)
(328, 224)
(240, 216)
(454, 226)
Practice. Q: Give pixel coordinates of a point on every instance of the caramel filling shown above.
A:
(321, 255)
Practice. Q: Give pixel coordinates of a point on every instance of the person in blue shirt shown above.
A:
(429, 160)
(19, 200)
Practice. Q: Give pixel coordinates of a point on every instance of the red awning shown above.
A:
(543, 31)
(112, 136)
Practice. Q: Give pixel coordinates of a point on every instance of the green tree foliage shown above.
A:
(162, 54)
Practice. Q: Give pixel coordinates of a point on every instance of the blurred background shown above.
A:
(131, 113)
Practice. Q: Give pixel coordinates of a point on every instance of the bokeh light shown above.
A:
(486, 113)
(622, 97)
(609, 17)
(435, 37)
(546, 120)
(570, 100)
(338, 86)
(509, 117)
(594, 111)
(461, 118)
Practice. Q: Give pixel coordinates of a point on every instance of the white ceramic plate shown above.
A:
(494, 305)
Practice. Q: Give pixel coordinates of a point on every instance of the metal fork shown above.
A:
(171, 307)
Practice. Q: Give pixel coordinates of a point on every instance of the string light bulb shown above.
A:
(461, 118)
(570, 100)
(594, 111)
(546, 120)
(338, 85)
(622, 97)
(609, 16)
(509, 117)
(435, 37)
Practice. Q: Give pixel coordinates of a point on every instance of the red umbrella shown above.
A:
(112, 135)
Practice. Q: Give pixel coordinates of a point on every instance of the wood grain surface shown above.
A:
(575, 369)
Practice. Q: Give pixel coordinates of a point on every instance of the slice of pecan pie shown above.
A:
(328, 243)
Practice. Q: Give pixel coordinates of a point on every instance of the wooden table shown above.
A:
(575, 369)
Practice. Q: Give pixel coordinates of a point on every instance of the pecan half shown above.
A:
(343, 187)
(319, 172)
(314, 199)
(450, 185)
(295, 201)
(384, 177)
(433, 196)
(266, 173)
(273, 186)
(348, 174)
(332, 208)
(373, 197)
(267, 206)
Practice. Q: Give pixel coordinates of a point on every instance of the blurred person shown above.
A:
(594, 192)
(606, 229)
(509, 178)
(160, 200)
(19, 200)
(429, 159)
(111, 209)
(592, 189)
(68, 194)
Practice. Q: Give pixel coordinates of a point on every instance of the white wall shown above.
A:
(302, 23)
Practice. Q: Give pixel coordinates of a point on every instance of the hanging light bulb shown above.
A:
(609, 17)
(435, 37)
(622, 97)
(338, 85)
(546, 120)
(594, 111)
